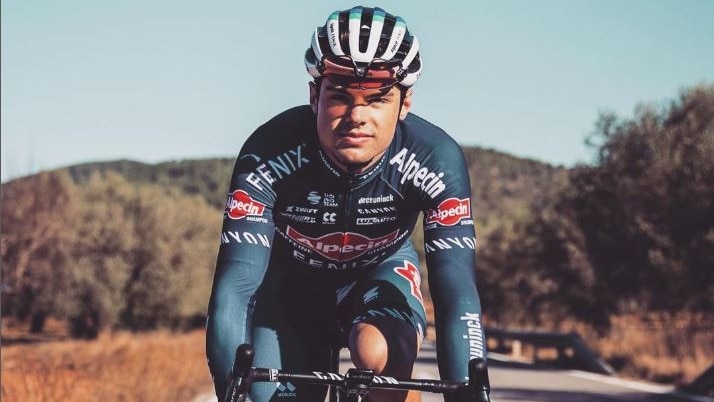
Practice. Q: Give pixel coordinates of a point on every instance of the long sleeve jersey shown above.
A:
(287, 199)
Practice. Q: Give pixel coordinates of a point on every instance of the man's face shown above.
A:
(355, 126)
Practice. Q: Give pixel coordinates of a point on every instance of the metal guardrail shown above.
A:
(702, 385)
(570, 347)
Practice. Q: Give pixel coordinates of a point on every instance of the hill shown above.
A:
(207, 178)
(501, 183)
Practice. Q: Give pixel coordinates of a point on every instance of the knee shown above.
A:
(368, 347)
(392, 351)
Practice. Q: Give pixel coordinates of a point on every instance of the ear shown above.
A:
(313, 96)
(406, 104)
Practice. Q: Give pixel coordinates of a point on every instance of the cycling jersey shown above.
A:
(291, 209)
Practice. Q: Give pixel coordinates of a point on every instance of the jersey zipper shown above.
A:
(347, 215)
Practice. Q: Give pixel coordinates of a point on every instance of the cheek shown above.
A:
(328, 116)
(386, 124)
(326, 125)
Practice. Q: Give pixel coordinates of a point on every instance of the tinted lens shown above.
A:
(361, 83)
(375, 65)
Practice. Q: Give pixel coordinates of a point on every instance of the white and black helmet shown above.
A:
(365, 44)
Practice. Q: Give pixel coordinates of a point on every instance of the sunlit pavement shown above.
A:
(513, 381)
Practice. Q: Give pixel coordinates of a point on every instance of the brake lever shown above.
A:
(479, 384)
(240, 377)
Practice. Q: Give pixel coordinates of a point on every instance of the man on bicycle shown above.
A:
(323, 200)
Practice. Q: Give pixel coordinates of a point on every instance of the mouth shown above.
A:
(352, 139)
(354, 134)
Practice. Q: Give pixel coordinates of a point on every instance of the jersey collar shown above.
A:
(355, 179)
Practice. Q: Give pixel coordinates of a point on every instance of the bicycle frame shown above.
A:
(356, 383)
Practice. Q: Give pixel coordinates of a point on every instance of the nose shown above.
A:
(357, 114)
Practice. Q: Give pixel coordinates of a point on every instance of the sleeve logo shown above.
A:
(240, 204)
(450, 212)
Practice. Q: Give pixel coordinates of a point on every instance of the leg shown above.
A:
(387, 316)
(389, 347)
(290, 333)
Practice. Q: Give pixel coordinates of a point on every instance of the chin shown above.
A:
(351, 158)
(351, 155)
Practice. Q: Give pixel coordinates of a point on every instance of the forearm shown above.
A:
(459, 329)
(229, 311)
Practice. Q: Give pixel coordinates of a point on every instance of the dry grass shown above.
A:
(668, 348)
(164, 366)
(659, 347)
(123, 367)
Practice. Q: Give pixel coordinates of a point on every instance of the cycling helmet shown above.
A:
(367, 46)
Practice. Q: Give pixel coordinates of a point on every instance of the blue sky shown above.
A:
(157, 80)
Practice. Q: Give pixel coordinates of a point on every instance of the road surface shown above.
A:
(520, 382)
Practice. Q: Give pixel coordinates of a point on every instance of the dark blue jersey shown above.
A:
(288, 201)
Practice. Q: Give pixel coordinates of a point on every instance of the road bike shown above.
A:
(356, 383)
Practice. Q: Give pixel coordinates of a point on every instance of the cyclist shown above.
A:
(316, 228)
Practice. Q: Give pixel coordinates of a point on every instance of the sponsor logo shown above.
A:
(314, 198)
(299, 218)
(240, 204)
(329, 217)
(277, 168)
(329, 200)
(450, 212)
(420, 177)
(328, 376)
(245, 237)
(333, 34)
(335, 265)
(286, 390)
(376, 220)
(340, 246)
(411, 273)
(376, 210)
(474, 334)
(376, 200)
(302, 210)
(397, 41)
(449, 243)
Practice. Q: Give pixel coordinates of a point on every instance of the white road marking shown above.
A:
(637, 386)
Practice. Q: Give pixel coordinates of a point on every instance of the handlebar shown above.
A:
(356, 381)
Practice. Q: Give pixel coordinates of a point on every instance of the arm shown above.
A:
(243, 258)
(449, 242)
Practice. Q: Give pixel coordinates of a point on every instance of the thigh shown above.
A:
(390, 291)
(290, 332)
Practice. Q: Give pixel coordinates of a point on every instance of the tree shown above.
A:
(36, 215)
(143, 257)
(647, 209)
(635, 232)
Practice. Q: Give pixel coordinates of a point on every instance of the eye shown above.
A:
(380, 99)
(339, 97)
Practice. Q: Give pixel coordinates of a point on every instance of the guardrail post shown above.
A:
(516, 349)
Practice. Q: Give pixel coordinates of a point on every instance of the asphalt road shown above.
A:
(520, 382)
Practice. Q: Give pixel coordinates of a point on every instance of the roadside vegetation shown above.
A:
(160, 366)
